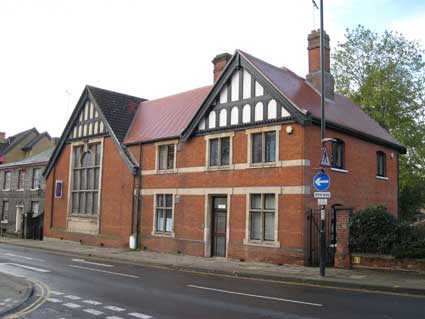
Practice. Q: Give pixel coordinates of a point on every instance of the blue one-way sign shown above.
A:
(321, 182)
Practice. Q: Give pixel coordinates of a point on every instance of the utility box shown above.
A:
(132, 241)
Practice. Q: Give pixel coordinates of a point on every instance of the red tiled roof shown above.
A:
(342, 111)
(165, 117)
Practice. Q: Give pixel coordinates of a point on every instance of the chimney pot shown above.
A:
(220, 62)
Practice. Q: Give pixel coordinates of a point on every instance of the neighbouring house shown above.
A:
(22, 196)
(24, 144)
(222, 170)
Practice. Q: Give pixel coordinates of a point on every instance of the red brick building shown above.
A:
(223, 170)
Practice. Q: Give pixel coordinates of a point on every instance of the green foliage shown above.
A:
(385, 74)
(372, 230)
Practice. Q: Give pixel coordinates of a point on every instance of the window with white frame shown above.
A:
(5, 211)
(219, 152)
(85, 179)
(166, 157)
(36, 178)
(164, 213)
(21, 179)
(7, 180)
(262, 212)
(263, 147)
(381, 165)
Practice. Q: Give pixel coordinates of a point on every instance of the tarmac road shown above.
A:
(71, 287)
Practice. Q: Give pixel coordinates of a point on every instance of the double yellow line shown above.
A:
(44, 292)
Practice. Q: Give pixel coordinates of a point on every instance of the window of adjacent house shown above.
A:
(21, 180)
(263, 147)
(262, 217)
(36, 177)
(35, 207)
(166, 157)
(7, 180)
(85, 179)
(219, 151)
(381, 165)
(338, 154)
(164, 213)
(5, 211)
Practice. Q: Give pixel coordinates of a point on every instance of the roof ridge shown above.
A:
(91, 87)
(177, 94)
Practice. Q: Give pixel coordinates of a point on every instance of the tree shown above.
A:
(385, 74)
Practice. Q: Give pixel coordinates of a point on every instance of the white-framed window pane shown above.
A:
(269, 226)
(162, 157)
(255, 232)
(256, 201)
(269, 201)
(169, 200)
(270, 139)
(170, 156)
(225, 150)
(169, 221)
(257, 148)
(214, 152)
(160, 219)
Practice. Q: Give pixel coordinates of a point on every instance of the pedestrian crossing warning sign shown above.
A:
(325, 161)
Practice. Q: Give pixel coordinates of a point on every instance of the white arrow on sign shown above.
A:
(320, 181)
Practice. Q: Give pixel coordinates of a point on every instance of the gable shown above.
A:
(87, 123)
(243, 101)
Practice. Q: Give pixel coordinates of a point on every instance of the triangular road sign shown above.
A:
(325, 161)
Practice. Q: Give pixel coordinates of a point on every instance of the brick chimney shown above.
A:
(314, 63)
(220, 62)
(2, 137)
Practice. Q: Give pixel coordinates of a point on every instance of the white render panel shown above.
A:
(201, 125)
(101, 127)
(80, 131)
(211, 119)
(91, 110)
(235, 86)
(285, 113)
(85, 130)
(259, 90)
(246, 85)
(223, 95)
(86, 111)
(271, 112)
(259, 112)
(75, 132)
(234, 116)
(96, 127)
(91, 129)
(246, 114)
(96, 114)
(223, 118)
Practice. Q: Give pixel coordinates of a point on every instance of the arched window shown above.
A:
(381, 164)
(246, 114)
(234, 116)
(271, 110)
(223, 117)
(259, 114)
(211, 120)
(338, 154)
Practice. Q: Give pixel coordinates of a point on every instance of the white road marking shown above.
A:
(24, 257)
(114, 317)
(28, 267)
(94, 312)
(55, 300)
(92, 302)
(56, 293)
(258, 296)
(139, 315)
(72, 297)
(113, 308)
(91, 263)
(104, 271)
(71, 305)
(7, 300)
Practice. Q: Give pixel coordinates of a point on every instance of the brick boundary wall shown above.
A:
(387, 262)
(342, 253)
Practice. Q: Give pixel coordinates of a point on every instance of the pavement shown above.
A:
(361, 279)
(14, 291)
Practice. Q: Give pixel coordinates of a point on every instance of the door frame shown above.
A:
(19, 217)
(208, 220)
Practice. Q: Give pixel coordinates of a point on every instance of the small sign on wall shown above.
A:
(58, 188)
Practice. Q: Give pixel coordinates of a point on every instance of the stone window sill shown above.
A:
(263, 165)
(166, 171)
(270, 244)
(219, 168)
(382, 177)
(164, 234)
(339, 170)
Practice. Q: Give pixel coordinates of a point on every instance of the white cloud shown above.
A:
(412, 27)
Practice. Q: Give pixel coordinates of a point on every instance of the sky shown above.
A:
(50, 49)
